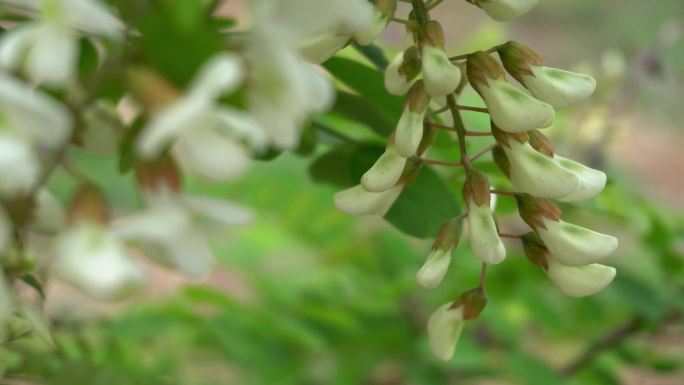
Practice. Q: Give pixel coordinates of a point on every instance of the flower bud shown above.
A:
(441, 77)
(401, 72)
(384, 11)
(89, 204)
(557, 87)
(499, 157)
(158, 175)
(535, 210)
(580, 281)
(535, 250)
(533, 172)
(409, 130)
(505, 10)
(484, 236)
(444, 329)
(385, 172)
(94, 260)
(358, 201)
(435, 267)
(574, 245)
(511, 109)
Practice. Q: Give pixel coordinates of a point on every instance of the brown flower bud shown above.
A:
(449, 234)
(473, 302)
(541, 143)
(151, 89)
(411, 64)
(433, 34)
(535, 250)
(89, 204)
(481, 67)
(534, 210)
(476, 188)
(503, 138)
(417, 99)
(517, 59)
(501, 160)
(158, 174)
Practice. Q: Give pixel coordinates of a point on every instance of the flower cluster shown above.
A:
(159, 128)
(569, 254)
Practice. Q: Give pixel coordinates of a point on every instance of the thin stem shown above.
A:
(440, 110)
(470, 108)
(483, 274)
(441, 162)
(482, 152)
(466, 55)
(420, 11)
(501, 192)
(402, 21)
(477, 133)
(460, 130)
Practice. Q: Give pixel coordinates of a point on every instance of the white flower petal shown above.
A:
(211, 155)
(241, 126)
(441, 77)
(484, 237)
(15, 44)
(409, 132)
(53, 56)
(395, 82)
(444, 329)
(221, 74)
(191, 253)
(574, 245)
(536, 174)
(93, 16)
(506, 10)
(557, 87)
(323, 46)
(591, 182)
(434, 269)
(580, 281)
(19, 167)
(218, 209)
(513, 110)
(367, 35)
(357, 201)
(385, 172)
(184, 115)
(92, 259)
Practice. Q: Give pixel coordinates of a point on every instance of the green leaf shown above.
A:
(343, 166)
(359, 109)
(423, 206)
(32, 281)
(366, 81)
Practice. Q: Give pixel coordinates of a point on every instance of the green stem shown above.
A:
(459, 127)
(421, 11)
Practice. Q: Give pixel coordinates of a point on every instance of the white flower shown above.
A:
(537, 174)
(168, 231)
(557, 87)
(47, 48)
(441, 77)
(358, 201)
(383, 12)
(207, 139)
(580, 281)
(324, 46)
(93, 259)
(435, 268)
(49, 216)
(512, 109)
(506, 10)
(574, 245)
(591, 182)
(19, 166)
(484, 236)
(385, 172)
(396, 81)
(444, 329)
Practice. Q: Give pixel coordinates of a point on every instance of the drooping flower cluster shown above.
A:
(569, 254)
(156, 125)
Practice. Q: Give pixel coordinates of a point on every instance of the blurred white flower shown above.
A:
(28, 120)
(444, 329)
(324, 46)
(92, 258)
(168, 230)
(579, 281)
(47, 48)
(505, 10)
(206, 138)
(359, 201)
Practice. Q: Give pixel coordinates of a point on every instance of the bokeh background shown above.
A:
(308, 295)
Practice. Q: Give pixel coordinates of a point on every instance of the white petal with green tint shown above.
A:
(358, 201)
(557, 87)
(484, 237)
(385, 172)
(591, 182)
(434, 269)
(444, 329)
(323, 46)
(537, 174)
(512, 109)
(409, 132)
(441, 77)
(507, 10)
(580, 281)
(396, 83)
(574, 245)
